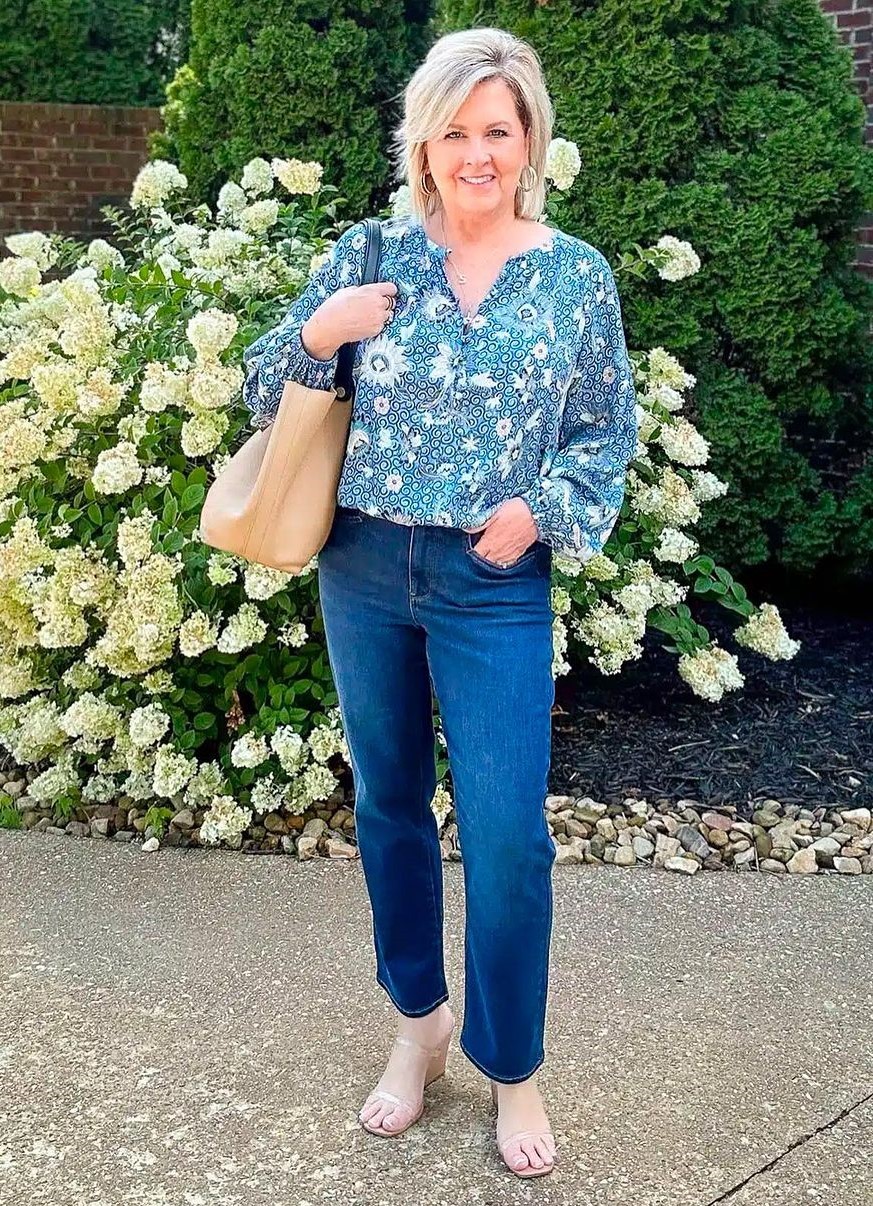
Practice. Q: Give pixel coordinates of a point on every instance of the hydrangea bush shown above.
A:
(135, 660)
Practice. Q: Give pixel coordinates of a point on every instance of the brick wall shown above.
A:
(60, 163)
(854, 22)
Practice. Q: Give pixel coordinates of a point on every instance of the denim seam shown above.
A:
(417, 1012)
(501, 1079)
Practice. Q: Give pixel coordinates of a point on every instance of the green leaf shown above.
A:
(193, 496)
(204, 720)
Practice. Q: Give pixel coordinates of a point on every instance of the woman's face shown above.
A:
(484, 138)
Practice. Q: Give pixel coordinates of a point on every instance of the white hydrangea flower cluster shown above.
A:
(250, 750)
(269, 795)
(117, 470)
(263, 581)
(161, 387)
(560, 644)
(226, 821)
(34, 245)
(560, 600)
(206, 783)
(257, 176)
(681, 258)
(665, 370)
(100, 789)
(221, 568)
(141, 625)
(197, 634)
(31, 730)
(765, 632)
(400, 201)
(706, 486)
(134, 538)
(293, 634)
(20, 276)
(210, 332)
(17, 677)
(147, 725)
(82, 580)
(324, 741)
(243, 629)
(155, 183)
(56, 781)
(669, 498)
(172, 770)
(675, 546)
(562, 162)
(257, 218)
(441, 804)
(710, 671)
(91, 715)
(665, 592)
(101, 255)
(298, 177)
(290, 748)
(601, 568)
(614, 635)
(683, 443)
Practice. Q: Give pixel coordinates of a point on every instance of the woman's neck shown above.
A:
(472, 230)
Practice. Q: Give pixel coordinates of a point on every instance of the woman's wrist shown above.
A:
(314, 342)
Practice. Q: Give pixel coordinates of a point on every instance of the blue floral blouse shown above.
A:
(531, 397)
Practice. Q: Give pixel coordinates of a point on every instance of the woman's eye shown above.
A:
(499, 131)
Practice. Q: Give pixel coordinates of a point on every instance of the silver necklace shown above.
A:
(466, 313)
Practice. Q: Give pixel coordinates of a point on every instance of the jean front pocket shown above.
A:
(526, 557)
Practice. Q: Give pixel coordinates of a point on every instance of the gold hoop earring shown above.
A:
(428, 192)
(526, 188)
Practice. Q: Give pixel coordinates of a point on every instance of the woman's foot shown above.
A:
(524, 1138)
(417, 1058)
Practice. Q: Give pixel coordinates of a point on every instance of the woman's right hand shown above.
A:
(351, 313)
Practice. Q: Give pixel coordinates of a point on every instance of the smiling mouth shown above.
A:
(477, 181)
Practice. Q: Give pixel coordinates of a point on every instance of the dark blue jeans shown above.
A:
(411, 610)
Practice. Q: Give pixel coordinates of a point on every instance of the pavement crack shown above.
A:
(799, 1142)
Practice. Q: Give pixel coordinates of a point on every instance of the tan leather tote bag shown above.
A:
(274, 502)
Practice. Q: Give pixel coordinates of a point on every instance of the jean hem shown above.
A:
(413, 1013)
(503, 1080)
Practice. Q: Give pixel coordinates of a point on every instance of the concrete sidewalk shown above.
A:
(200, 1028)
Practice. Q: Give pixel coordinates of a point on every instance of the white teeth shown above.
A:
(476, 179)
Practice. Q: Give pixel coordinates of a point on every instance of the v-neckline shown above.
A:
(441, 252)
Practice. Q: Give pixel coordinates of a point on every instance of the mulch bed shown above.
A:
(798, 731)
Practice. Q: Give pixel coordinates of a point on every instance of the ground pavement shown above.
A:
(199, 1028)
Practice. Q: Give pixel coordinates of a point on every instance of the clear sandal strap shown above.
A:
(409, 1042)
(516, 1135)
(383, 1093)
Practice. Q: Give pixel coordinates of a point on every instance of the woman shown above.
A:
(493, 422)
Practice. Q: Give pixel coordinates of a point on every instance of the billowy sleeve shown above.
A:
(578, 494)
(278, 355)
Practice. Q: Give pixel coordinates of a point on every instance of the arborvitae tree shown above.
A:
(294, 78)
(95, 52)
(733, 124)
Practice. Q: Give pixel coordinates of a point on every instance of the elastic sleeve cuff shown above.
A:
(283, 358)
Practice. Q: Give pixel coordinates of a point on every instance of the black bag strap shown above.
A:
(343, 378)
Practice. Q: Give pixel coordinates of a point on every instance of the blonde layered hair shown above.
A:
(454, 65)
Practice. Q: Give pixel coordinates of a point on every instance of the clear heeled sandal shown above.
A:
(436, 1067)
(504, 1144)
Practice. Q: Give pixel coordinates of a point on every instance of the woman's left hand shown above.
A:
(509, 532)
